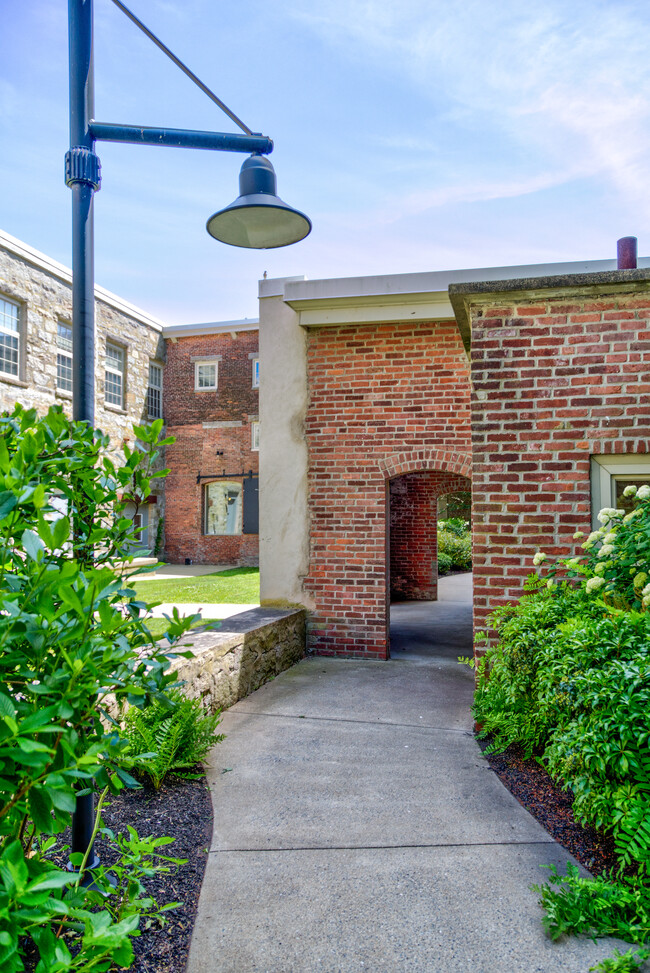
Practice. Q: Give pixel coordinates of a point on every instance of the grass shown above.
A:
(238, 586)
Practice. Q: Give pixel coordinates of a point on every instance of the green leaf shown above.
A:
(39, 810)
(7, 707)
(8, 501)
(33, 545)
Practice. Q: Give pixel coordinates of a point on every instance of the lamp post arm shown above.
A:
(177, 61)
(180, 138)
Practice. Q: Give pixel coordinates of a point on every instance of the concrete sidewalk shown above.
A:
(358, 827)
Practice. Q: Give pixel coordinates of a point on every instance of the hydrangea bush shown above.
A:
(569, 680)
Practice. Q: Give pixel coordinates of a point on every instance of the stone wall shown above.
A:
(42, 290)
(247, 650)
(413, 532)
(213, 431)
(384, 399)
(561, 374)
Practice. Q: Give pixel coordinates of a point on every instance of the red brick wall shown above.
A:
(413, 533)
(555, 381)
(384, 400)
(204, 423)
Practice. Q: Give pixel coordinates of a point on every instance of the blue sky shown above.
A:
(419, 135)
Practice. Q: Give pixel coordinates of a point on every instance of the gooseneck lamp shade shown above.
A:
(258, 218)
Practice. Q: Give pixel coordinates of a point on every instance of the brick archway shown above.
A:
(427, 460)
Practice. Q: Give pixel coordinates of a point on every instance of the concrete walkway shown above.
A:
(357, 826)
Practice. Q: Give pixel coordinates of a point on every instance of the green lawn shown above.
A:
(158, 626)
(239, 586)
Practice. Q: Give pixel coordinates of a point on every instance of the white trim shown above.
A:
(255, 436)
(55, 269)
(175, 331)
(606, 469)
(202, 364)
(403, 297)
(255, 360)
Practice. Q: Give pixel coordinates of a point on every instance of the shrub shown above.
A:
(454, 545)
(164, 739)
(569, 680)
(71, 636)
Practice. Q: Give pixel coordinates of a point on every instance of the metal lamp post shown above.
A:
(258, 218)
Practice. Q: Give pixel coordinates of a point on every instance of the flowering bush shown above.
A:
(570, 676)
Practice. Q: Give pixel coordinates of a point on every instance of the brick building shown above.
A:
(36, 353)
(382, 394)
(211, 407)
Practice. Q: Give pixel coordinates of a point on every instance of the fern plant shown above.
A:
(162, 741)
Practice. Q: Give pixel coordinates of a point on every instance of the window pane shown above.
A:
(8, 354)
(64, 372)
(114, 375)
(64, 336)
(154, 392)
(115, 358)
(256, 372)
(206, 376)
(8, 315)
(223, 508)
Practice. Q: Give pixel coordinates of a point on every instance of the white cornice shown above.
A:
(402, 297)
(176, 331)
(55, 269)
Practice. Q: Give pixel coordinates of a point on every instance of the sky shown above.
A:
(418, 135)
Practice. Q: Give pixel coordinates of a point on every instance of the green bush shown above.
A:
(71, 638)
(454, 545)
(569, 680)
(164, 739)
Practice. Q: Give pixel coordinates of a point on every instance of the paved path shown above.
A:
(357, 826)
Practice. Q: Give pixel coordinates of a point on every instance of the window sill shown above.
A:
(117, 409)
(213, 388)
(13, 380)
(62, 394)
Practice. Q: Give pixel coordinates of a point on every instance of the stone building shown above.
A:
(381, 394)
(36, 353)
(211, 406)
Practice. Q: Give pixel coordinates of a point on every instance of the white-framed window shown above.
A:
(114, 375)
(206, 375)
(255, 434)
(610, 474)
(222, 507)
(256, 373)
(154, 391)
(9, 337)
(63, 357)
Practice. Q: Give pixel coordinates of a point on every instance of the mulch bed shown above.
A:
(529, 782)
(181, 809)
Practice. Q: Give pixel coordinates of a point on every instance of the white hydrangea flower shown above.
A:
(578, 535)
(629, 491)
(606, 550)
(632, 514)
(550, 584)
(594, 584)
(646, 590)
(643, 492)
(606, 515)
(646, 601)
(539, 558)
(610, 538)
(640, 579)
(600, 568)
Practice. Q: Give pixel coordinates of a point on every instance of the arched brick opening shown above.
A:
(412, 560)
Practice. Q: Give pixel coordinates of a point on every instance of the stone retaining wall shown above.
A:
(246, 651)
